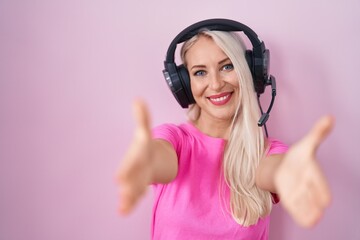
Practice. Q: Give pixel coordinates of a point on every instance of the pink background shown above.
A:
(69, 71)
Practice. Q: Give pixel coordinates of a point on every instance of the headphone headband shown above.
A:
(215, 24)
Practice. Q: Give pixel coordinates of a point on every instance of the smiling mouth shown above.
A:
(220, 99)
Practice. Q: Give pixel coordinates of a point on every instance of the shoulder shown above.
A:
(176, 134)
(170, 129)
(276, 146)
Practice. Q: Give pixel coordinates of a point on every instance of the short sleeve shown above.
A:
(276, 147)
(168, 132)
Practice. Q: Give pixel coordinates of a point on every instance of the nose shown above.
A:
(215, 82)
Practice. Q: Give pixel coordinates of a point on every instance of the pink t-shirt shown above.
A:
(193, 206)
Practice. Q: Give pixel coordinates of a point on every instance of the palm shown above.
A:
(299, 180)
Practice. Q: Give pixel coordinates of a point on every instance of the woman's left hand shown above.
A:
(299, 180)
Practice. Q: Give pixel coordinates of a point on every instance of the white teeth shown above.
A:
(219, 99)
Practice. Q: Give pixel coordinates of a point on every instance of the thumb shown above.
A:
(320, 131)
(142, 118)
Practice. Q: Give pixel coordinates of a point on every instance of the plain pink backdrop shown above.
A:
(69, 71)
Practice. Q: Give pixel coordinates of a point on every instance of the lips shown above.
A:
(220, 99)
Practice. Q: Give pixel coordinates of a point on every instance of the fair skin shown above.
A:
(295, 176)
(214, 85)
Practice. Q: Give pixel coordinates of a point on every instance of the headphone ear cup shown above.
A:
(175, 84)
(249, 60)
(256, 72)
(185, 80)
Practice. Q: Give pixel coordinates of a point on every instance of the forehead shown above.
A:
(204, 50)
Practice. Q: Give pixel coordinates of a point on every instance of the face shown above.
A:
(213, 80)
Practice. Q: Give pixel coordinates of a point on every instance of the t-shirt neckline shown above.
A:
(195, 130)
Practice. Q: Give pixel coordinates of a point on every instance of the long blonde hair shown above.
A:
(246, 144)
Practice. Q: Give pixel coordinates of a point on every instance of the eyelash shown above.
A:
(199, 73)
(228, 65)
(223, 68)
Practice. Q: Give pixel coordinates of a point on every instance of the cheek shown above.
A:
(233, 79)
(234, 82)
(196, 87)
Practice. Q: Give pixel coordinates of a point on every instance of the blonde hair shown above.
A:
(246, 144)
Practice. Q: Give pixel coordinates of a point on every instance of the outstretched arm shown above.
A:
(297, 177)
(147, 161)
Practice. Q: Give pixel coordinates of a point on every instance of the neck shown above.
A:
(217, 128)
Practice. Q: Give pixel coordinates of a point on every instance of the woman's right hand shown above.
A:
(135, 173)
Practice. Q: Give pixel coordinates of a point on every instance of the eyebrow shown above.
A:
(219, 63)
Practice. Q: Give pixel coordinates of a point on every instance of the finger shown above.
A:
(125, 168)
(310, 215)
(305, 210)
(142, 117)
(131, 163)
(129, 196)
(320, 188)
(312, 212)
(127, 201)
(320, 131)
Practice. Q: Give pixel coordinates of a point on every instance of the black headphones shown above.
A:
(258, 59)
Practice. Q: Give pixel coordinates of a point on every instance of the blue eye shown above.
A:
(228, 67)
(200, 73)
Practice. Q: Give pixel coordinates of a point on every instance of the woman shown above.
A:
(216, 176)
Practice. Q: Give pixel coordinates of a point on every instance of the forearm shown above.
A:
(265, 173)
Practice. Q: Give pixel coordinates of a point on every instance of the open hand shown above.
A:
(134, 173)
(302, 187)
